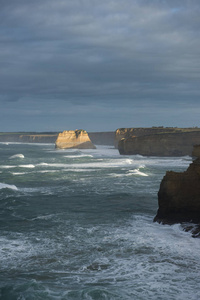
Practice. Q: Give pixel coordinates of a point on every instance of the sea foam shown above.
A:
(78, 156)
(16, 156)
(137, 172)
(7, 186)
(27, 166)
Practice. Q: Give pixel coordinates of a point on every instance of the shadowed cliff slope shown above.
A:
(179, 196)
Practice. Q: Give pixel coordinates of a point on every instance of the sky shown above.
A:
(99, 65)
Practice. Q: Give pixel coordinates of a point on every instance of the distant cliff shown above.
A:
(121, 133)
(179, 196)
(178, 143)
(102, 138)
(25, 137)
(97, 138)
(74, 139)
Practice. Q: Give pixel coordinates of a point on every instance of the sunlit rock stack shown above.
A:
(157, 141)
(74, 139)
(179, 195)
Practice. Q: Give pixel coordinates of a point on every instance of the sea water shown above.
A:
(78, 224)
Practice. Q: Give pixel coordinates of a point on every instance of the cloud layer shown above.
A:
(101, 64)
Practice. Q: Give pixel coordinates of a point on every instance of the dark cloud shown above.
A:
(100, 60)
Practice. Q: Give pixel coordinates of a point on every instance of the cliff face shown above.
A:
(38, 138)
(74, 139)
(179, 196)
(102, 138)
(163, 144)
(129, 132)
(196, 151)
(28, 137)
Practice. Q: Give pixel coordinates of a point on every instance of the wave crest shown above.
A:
(17, 156)
(8, 186)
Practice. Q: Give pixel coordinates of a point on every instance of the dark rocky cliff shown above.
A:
(179, 196)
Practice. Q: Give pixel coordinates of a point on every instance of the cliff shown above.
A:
(160, 144)
(179, 196)
(196, 151)
(74, 139)
(97, 138)
(121, 133)
(102, 138)
(25, 137)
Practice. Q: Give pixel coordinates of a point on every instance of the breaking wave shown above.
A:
(16, 156)
(7, 186)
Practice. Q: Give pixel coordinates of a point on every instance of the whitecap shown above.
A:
(47, 171)
(78, 156)
(8, 186)
(18, 173)
(27, 166)
(130, 173)
(137, 172)
(16, 156)
(129, 161)
(42, 164)
(7, 167)
(100, 164)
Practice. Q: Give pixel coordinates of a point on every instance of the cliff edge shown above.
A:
(74, 139)
(124, 133)
(160, 144)
(179, 196)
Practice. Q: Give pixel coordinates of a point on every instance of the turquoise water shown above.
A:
(79, 225)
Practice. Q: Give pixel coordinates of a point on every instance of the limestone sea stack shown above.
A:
(179, 195)
(74, 139)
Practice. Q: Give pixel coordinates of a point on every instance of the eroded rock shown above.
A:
(179, 196)
(74, 139)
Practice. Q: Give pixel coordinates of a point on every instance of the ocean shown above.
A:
(78, 224)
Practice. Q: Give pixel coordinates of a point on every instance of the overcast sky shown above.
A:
(99, 64)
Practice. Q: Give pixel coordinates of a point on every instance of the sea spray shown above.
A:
(81, 227)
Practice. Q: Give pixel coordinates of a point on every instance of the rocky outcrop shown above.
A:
(74, 139)
(179, 196)
(124, 133)
(163, 144)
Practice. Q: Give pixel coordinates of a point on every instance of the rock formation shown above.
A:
(160, 144)
(125, 133)
(74, 139)
(179, 196)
